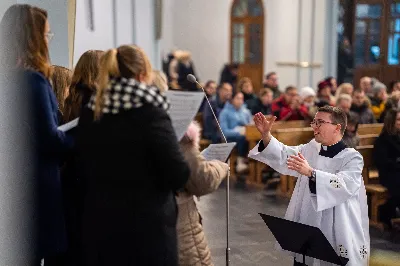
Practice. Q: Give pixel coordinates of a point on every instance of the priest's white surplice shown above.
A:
(339, 207)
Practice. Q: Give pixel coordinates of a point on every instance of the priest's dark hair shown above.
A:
(390, 121)
(338, 116)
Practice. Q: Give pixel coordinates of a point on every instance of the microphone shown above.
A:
(193, 79)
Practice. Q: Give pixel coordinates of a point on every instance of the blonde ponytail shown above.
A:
(108, 67)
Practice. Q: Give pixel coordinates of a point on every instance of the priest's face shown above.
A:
(325, 132)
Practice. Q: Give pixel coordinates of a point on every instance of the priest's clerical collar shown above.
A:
(332, 150)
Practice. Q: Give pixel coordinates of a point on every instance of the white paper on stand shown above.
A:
(219, 151)
(70, 125)
(183, 109)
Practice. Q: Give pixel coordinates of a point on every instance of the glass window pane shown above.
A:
(238, 29)
(395, 9)
(255, 54)
(238, 49)
(361, 27)
(255, 9)
(393, 49)
(374, 49)
(341, 11)
(340, 28)
(368, 11)
(395, 25)
(240, 8)
(359, 49)
(375, 27)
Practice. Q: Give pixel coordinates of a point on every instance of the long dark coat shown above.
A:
(50, 146)
(132, 166)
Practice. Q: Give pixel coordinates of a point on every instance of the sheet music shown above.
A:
(218, 152)
(70, 125)
(184, 107)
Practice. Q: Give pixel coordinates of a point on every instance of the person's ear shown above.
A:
(339, 128)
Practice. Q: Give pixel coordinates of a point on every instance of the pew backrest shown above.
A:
(294, 136)
(366, 152)
(368, 139)
(252, 133)
(365, 129)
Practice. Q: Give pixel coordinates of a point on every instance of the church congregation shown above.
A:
(119, 188)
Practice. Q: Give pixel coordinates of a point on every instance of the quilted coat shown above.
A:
(206, 176)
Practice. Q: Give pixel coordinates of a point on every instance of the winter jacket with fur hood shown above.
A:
(205, 178)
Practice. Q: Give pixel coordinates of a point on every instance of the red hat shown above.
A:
(323, 84)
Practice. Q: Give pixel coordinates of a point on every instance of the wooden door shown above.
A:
(376, 39)
(247, 39)
(368, 39)
(391, 67)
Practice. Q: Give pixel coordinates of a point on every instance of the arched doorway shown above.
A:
(247, 39)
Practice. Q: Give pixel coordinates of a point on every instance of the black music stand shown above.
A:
(302, 239)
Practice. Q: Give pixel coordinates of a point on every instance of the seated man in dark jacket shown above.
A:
(210, 130)
(263, 103)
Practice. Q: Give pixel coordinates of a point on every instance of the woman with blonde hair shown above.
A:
(344, 88)
(132, 166)
(83, 84)
(61, 79)
(205, 178)
(160, 80)
(25, 35)
(186, 67)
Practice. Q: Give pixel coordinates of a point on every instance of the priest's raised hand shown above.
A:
(264, 126)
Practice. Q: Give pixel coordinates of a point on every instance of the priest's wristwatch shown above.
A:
(313, 176)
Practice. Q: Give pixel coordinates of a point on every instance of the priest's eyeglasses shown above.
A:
(317, 123)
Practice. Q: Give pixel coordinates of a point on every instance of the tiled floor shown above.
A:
(251, 242)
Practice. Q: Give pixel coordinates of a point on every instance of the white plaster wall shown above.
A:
(144, 24)
(167, 41)
(102, 36)
(203, 28)
(124, 22)
(4, 5)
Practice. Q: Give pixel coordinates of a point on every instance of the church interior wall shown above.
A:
(203, 28)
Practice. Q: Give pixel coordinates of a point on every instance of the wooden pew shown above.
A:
(365, 129)
(253, 136)
(294, 133)
(375, 192)
(368, 139)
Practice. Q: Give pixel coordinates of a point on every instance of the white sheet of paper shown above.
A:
(218, 152)
(183, 109)
(69, 125)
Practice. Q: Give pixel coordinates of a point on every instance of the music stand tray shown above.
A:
(302, 239)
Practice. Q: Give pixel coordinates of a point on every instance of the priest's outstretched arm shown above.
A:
(275, 154)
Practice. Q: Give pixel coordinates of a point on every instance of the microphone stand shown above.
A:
(192, 78)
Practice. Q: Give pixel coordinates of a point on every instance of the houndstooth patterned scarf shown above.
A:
(124, 94)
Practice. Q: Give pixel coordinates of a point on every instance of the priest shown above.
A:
(330, 192)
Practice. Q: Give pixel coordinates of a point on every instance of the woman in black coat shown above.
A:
(132, 167)
(83, 85)
(387, 159)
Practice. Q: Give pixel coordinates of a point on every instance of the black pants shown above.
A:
(388, 210)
